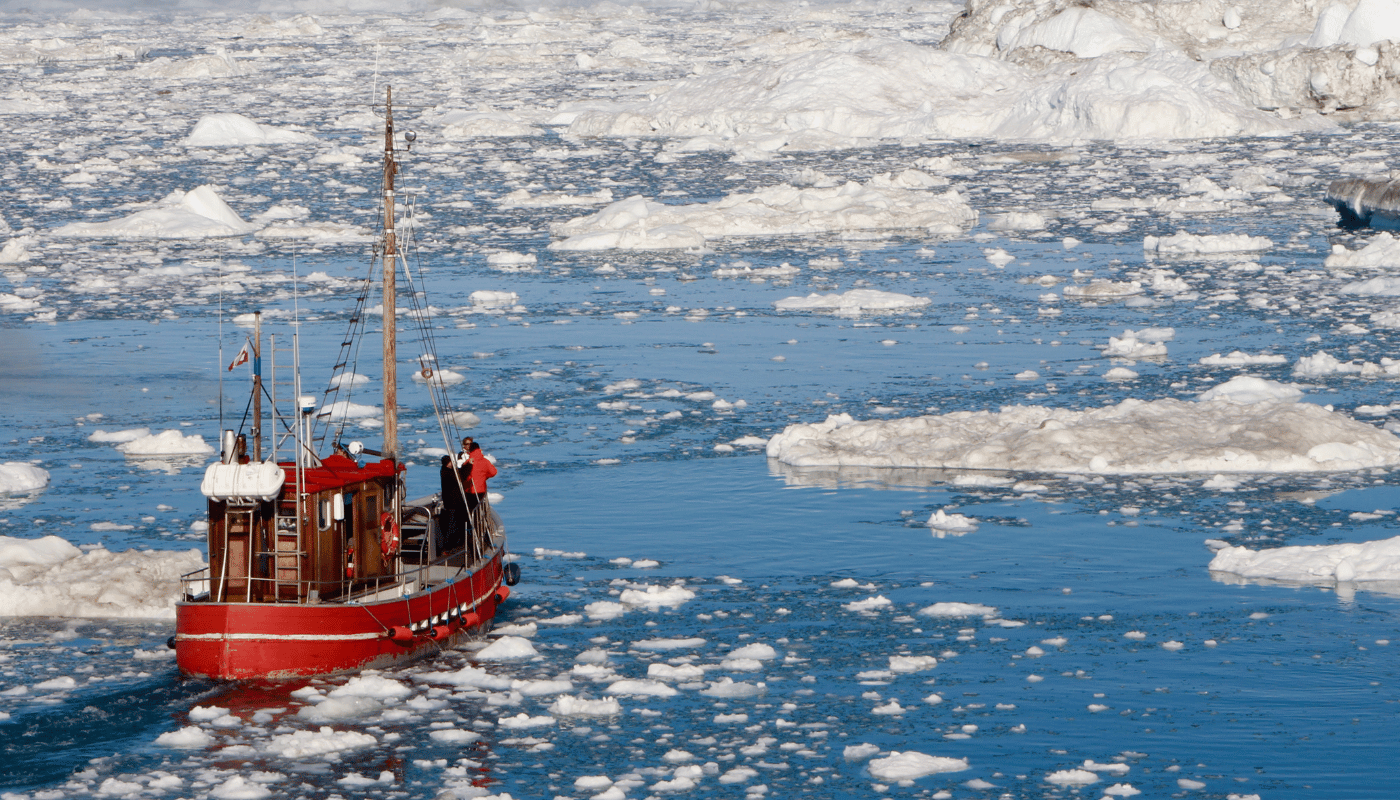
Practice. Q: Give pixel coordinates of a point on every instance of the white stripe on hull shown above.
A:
(300, 637)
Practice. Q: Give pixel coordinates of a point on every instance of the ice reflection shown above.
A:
(886, 478)
(1345, 590)
(13, 501)
(170, 465)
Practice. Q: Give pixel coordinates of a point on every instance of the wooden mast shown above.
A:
(257, 386)
(391, 265)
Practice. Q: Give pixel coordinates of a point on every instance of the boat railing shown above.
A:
(196, 585)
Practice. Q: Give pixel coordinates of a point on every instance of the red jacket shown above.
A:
(482, 468)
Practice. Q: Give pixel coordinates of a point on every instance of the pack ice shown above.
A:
(49, 577)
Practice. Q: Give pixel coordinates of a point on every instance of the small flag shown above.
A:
(242, 357)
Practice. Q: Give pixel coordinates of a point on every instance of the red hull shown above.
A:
(232, 641)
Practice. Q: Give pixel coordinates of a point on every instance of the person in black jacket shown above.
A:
(454, 508)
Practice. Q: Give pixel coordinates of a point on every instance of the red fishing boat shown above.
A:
(321, 564)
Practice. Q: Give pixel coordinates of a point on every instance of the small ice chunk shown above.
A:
(910, 765)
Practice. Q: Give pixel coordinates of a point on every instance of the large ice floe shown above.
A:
(197, 214)
(1245, 425)
(17, 477)
(1376, 563)
(230, 130)
(852, 303)
(50, 577)
(885, 202)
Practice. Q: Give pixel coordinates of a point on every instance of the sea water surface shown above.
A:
(764, 631)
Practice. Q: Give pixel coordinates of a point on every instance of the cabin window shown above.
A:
(323, 513)
(372, 507)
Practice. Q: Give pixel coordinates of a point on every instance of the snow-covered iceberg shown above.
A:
(197, 214)
(230, 130)
(842, 92)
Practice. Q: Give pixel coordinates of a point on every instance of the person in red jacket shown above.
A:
(475, 482)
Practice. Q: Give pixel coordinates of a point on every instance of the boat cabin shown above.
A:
(279, 533)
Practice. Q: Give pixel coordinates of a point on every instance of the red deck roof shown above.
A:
(337, 471)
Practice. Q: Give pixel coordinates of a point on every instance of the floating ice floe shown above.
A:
(1017, 221)
(219, 64)
(17, 477)
(654, 597)
(49, 577)
(190, 737)
(474, 124)
(498, 301)
(904, 665)
(231, 130)
(1101, 289)
(958, 610)
(516, 413)
(1237, 358)
(1382, 251)
(868, 605)
(23, 102)
(1072, 777)
(197, 214)
(1145, 343)
(1183, 243)
(446, 377)
(310, 744)
(1317, 565)
(570, 706)
(728, 687)
(908, 766)
(507, 648)
(1244, 425)
(507, 261)
(1384, 286)
(641, 688)
(853, 303)
(951, 523)
(640, 224)
(1322, 363)
(521, 198)
(344, 409)
(16, 250)
(166, 443)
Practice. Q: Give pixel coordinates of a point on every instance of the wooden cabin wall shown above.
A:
(215, 542)
(324, 562)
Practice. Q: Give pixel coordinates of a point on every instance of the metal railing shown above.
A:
(197, 585)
